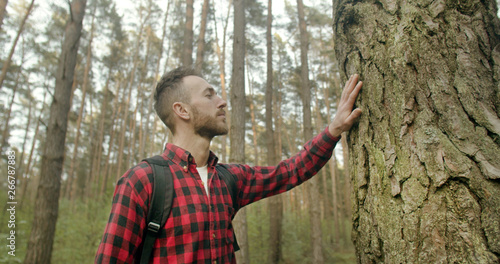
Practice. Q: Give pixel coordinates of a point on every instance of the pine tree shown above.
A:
(47, 202)
(425, 158)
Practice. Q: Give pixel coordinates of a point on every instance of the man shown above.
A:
(198, 229)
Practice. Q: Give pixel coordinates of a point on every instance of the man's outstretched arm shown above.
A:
(346, 116)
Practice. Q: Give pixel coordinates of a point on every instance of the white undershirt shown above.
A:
(204, 177)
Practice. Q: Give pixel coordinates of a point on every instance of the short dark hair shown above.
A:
(168, 91)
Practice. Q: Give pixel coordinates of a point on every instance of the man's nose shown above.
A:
(222, 103)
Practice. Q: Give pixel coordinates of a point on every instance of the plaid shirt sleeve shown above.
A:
(123, 234)
(255, 183)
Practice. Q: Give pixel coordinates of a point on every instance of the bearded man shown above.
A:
(198, 228)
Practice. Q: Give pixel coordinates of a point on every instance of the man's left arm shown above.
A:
(259, 182)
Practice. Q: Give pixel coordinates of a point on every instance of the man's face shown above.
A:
(209, 117)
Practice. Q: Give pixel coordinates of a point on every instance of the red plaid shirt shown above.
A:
(199, 228)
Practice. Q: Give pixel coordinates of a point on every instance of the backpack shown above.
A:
(161, 201)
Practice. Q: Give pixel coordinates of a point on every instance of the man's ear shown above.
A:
(181, 110)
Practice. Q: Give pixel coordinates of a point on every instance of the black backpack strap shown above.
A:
(230, 181)
(160, 206)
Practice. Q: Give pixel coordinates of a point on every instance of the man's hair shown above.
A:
(170, 90)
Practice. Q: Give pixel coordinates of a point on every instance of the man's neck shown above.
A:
(198, 146)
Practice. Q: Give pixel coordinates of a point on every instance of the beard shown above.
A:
(208, 126)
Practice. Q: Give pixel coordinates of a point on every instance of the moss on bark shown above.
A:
(425, 157)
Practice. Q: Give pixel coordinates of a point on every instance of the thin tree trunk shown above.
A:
(320, 126)
(7, 62)
(123, 129)
(107, 167)
(47, 202)
(139, 106)
(155, 118)
(200, 51)
(73, 185)
(26, 178)
(252, 115)
(96, 168)
(126, 114)
(333, 175)
(237, 127)
(425, 157)
(3, 8)
(28, 124)
(221, 56)
(5, 131)
(275, 203)
(187, 57)
(316, 237)
(87, 179)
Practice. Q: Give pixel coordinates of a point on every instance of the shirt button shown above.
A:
(213, 235)
(185, 168)
(190, 159)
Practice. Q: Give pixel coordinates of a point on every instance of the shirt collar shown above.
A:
(183, 158)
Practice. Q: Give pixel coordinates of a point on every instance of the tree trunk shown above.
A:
(221, 57)
(151, 135)
(425, 158)
(6, 130)
(313, 185)
(253, 120)
(3, 8)
(107, 166)
(126, 114)
(139, 106)
(25, 176)
(47, 202)
(237, 127)
(200, 50)
(26, 132)
(97, 156)
(86, 179)
(187, 57)
(7, 62)
(74, 187)
(275, 205)
(333, 171)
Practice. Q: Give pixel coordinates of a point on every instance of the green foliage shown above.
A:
(296, 239)
(79, 231)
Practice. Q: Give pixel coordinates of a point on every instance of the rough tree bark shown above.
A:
(425, 158)
(47, 202)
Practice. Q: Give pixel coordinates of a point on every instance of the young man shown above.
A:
(198, 229)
